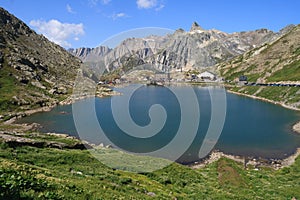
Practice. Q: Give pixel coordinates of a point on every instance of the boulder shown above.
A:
(62, 90)
(38, 84)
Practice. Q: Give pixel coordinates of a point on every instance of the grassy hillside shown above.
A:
(277, 62)
(28, 172)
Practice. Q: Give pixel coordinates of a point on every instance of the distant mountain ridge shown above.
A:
(90, 54)
(195, 49)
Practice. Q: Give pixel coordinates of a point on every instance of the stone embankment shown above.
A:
(248, 161)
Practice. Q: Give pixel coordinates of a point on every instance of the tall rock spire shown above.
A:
(195, 27)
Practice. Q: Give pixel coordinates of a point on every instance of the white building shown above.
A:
(207, 76)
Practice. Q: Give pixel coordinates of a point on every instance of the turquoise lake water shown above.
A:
(252, 127)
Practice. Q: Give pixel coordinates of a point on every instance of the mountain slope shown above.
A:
(266, 63)
(34, 72)
(276, 62)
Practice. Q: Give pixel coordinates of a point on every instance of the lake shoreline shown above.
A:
(257, 163)
(215, 155)
(67, 101)
(210, 158)
(264, 99)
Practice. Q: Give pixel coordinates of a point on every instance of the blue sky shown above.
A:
(87, 23)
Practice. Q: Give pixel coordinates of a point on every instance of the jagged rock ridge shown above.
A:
(90, 54)
(182, 50)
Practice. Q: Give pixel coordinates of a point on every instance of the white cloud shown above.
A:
(69, 9)
(95, 2)
(106, 1)
(118, 15)
(146, 4)
(161, 6)
(58, 32)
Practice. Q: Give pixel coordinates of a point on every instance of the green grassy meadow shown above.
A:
(28, 172)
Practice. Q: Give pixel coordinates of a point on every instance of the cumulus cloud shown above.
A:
(58, 32)
(146, 4)
(69, 9)
(118, 15)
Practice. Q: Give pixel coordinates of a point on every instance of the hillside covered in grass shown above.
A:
(276, 62)
(28, 172)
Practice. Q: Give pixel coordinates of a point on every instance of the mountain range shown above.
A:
(182, 50)
(35, 72)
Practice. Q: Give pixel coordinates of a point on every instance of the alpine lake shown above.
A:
(251, 127)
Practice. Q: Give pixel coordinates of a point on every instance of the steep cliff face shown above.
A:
(33, 71)
(182, 50)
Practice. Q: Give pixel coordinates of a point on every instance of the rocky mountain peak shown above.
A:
(287, 29)
(179, 31)
(196, 27)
